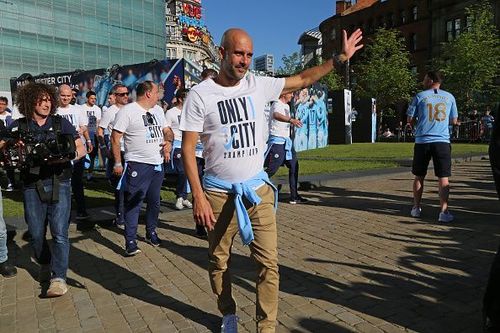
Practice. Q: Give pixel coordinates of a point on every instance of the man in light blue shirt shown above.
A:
(431, 111)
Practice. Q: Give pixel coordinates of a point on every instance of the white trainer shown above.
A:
(445, 217)
(186, 203)
(178, 204)
(229, 324)
(416, 211)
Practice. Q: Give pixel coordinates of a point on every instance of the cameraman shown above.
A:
(46, 178)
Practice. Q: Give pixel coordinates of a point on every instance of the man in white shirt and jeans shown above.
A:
(93, 113)
(117, 98)
(79, 121)
(280, 147)
(173, 117)
(147, 142)
(228, 114)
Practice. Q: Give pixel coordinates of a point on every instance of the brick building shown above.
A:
(425, 24)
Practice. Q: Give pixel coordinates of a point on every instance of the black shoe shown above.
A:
(132, 249)
(298, 200)
(153, 239)
(7, 270)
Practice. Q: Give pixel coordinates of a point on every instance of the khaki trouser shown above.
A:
(263, 250)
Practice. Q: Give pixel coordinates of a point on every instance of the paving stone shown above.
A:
(352, 260)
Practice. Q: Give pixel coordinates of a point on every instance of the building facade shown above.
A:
(425, 24)
(264, 63)
(310, 46)
(52, 36)
(187, 35)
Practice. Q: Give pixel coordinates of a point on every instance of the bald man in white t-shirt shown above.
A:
(227, 113)
(77, 118)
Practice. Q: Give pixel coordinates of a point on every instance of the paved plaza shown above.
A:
(351, 260)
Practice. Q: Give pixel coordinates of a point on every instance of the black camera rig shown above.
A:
(28, 148)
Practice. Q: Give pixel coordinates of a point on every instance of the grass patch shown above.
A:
(310, 167)
(98, 193)
(383, 150)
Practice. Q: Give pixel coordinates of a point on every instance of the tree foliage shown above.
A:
(292, 64)
(470, 63)
(383, 71)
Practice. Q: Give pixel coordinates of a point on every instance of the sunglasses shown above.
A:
(122, 94)
(150, 118)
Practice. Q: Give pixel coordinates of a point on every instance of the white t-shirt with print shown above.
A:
(173, 117)
(75, 116)
(108, 117)
(93, 114)
(107, 121)
(232, 124)
(142, 132)
(280, 128)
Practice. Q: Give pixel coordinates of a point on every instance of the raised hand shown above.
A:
(350, 45)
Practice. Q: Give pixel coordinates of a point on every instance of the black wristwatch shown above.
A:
(339, 59)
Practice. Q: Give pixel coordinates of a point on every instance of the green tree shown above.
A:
(292, 64)
(383, 71)
(333, 80)
(470, 63)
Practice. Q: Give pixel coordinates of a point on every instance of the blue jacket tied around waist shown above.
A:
(242, 190)
(280, 140)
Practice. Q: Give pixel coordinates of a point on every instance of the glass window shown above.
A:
(59, 35)
(468, 23)
(457, 27)
(414, 11)
(414, 42)
(402, 14)
(449, 30)
(390, 20)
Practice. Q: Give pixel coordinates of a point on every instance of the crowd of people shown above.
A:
(214, 139)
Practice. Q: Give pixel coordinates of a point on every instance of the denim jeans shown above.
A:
(39, 215)
(181, 185)
(3, 233)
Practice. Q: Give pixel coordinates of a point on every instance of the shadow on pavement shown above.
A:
(136, 286)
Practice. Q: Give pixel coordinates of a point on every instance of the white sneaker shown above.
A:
(178, 204)
(445, 217)
(416, 211)
(187, 204)
(229, 324)
(58, 287)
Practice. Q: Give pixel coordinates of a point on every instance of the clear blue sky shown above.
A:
(275, 25)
